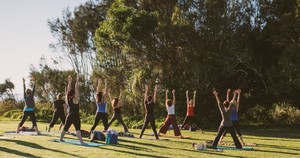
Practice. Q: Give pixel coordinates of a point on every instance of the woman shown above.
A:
(29, 107)
(59, 111)
(72, 100)
(101, 104)
(190, 110)
(116, 103)
(234, 116)
(149, 103)
(171, 117)
(226, 123)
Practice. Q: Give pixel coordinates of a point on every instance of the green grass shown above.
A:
(273, 143)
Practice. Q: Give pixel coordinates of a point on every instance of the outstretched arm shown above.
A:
(227, 95)
(233, 99)
(69, 83)
(24, 87)
(194, 98)
(155, 92)
(166, 96)
(174, 99)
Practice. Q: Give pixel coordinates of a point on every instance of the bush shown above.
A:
(285, 114)
(13, 114)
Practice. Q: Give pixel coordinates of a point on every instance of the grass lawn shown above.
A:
(284, 142)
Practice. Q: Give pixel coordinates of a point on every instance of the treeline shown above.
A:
(183, 45)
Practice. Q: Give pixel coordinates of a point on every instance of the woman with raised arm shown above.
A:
(149, 103)
(101, 104)
(171, 117)
(59, 111)
(117, 103)
(29, 107)
(190, 110)
(72, 100)
(226, 123)
(234, 116)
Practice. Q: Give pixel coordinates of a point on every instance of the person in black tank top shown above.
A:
(59, 111)
(116, 103)
(72, 99)
(149, 107)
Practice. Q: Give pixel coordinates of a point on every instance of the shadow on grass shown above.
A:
(16, 152)
(137, 154)
(212, 152)
(278, 152)
(143, 143)
(280, 147)
(35, 146)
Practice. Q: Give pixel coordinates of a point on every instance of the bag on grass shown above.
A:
(97, 135)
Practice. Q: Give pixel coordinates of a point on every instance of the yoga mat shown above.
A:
(76, 142)
(27, 133)
(232, 147)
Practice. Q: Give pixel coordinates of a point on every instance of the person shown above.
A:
(190, 116)
(234, 116)
(59, 111)
(101, 104)
(149, 103)
(29, 107)
(117, 103)
(73, 117)
(226, 123)
(171, 117)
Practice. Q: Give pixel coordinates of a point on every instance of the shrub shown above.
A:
(285, 114)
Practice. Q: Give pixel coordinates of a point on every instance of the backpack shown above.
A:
(97, 135)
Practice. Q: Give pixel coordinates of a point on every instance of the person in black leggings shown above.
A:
(226, 123)
(72, 99)
(59, 111)
(29, 107)
(116, 103)
(149, 102)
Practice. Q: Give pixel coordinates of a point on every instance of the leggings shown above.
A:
(24, 117)
(57, 115)
(231, 130)
(151, 120)
(170, 120)
(103, 117)
(119, 118)
(72, 119)
(188, 119)
(236, 127)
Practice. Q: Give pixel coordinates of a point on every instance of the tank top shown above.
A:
(149, 108)
(190, 111)
(117, 110)
(171, 109)
(73, 108)
(234, 114)
(59, 106)
(101, 107)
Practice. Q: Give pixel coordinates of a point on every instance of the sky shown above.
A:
(25, 35)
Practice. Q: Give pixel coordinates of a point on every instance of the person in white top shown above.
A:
(171, 117)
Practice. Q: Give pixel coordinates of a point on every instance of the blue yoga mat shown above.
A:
(233, 148)
(76, 142)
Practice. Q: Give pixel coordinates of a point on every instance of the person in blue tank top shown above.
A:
(73, 117)
(101, 104)
(29, 107)
(234, 115)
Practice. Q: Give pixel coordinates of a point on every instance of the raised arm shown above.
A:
(187, 98)
(155, 92)
(238, 99)
(216, 96)
(227, 95)
(105, 90)
(146, 92)
(233, 101)
(166, 94)
(24, 87)
(120, 103)
(174, 99)
(194, 98)
(76, 98)
(98, 86)
(69, 83)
